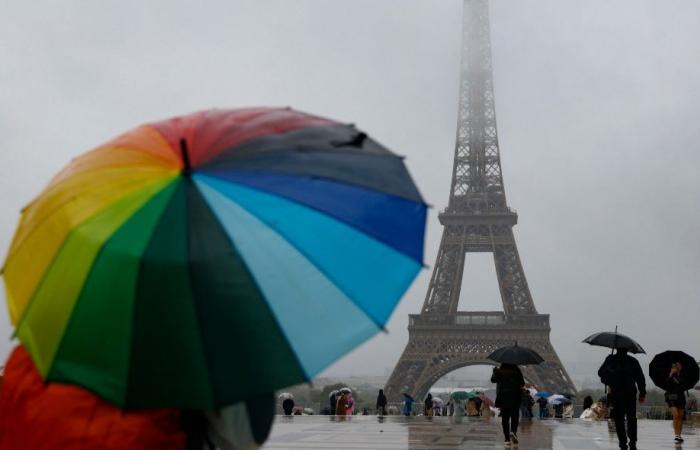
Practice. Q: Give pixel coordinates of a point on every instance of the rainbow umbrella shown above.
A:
(208, 258)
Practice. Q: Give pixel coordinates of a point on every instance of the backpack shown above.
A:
(612, 373)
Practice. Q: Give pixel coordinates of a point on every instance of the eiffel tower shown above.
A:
(477, 219)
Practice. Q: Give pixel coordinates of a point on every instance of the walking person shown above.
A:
(428, 405)
(350, 402)
(334, 401)
(437, 406)
(341, 406)
(509, 385)
(675, 398)
(381, 403)
(288, 406)
(407, 405)
(450, 407)
(543, 411)
(526, 405)
(624, 376)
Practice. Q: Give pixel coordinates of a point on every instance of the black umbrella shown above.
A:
(660, 366)
(515, 354)
(407, 396)
(613, 339)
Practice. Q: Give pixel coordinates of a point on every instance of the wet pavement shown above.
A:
(450, 433)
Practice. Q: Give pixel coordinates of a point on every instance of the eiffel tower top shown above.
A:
(477, 182)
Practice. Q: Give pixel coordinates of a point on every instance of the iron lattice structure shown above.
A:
(477, 219)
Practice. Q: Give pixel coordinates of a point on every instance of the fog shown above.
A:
(597, 105)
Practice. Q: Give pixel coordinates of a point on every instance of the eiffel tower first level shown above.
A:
(477, 219)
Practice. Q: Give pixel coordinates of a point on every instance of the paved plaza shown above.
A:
(449, 433)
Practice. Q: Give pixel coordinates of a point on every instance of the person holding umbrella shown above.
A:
(428, 405)
(350, 403)
(288, 405)
(624, 376)
(163, 247)
(333, 398)
(510, 384)
(381, 403)
(341, 407)
(407, 404)
(675, 372)
(675, 398)
(542, 403)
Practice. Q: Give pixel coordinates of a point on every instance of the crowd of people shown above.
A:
(620, 373)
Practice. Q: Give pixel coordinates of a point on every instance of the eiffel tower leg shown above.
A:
(407, 373)
(551, 373)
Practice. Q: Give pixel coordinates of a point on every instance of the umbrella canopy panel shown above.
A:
(460, 395)
(613, 339)
(203, 256)
(516, 354)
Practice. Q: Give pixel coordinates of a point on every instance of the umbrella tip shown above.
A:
(185, 157)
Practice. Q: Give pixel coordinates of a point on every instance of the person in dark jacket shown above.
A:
(288, 406)
(623, 375)
(526, 405)
(428, 405)
(542, 403)
(407, 404)
(334, 402)
(509, 385)
(381, 403)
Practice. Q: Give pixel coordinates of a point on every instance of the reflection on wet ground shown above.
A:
(451, 433)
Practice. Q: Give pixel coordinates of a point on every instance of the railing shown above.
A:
(479, 319)
(653, 412)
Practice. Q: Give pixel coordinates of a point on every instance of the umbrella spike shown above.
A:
(185, 156)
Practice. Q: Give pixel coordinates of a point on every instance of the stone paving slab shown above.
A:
(450, 433)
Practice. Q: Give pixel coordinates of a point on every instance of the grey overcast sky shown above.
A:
(598, 107)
